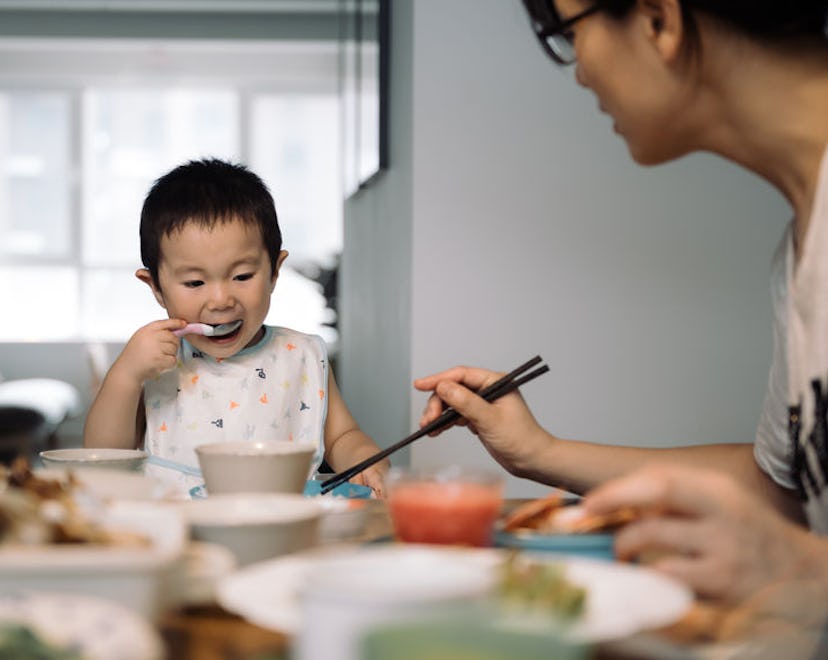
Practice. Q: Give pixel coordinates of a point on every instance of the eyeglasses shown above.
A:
(555, 35)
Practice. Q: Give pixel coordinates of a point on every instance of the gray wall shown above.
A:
(513, 222)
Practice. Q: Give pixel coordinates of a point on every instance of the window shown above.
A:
(87, 126)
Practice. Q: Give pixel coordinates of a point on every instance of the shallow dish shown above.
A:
(593, 546)
(622, 599)
(132, 576)
(92, 628)
(270, 594)
(119, 459)
(255, 526)
(256, 467)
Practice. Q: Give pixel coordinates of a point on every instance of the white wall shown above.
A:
(376, 271)
(532, 231)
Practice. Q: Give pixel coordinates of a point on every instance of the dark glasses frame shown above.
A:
(551, 30)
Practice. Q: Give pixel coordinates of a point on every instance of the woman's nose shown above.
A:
(579, 76)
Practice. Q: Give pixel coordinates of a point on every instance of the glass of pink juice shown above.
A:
(448, 505)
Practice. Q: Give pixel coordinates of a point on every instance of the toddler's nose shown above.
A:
(220, 297)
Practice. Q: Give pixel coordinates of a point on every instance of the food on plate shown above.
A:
(36, 510)
(552, 515)
(540, 587)
(22, 643)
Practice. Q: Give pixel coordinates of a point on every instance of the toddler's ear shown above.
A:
(144, 275)
(279, 261)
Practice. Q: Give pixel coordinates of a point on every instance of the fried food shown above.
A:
(551, 515)
(35, 510)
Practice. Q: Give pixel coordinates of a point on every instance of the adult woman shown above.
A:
(748, 80)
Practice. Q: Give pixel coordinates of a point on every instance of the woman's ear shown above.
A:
(664, 25)
(279, 261)
(144, 275)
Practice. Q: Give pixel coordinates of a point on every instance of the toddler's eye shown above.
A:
(243, 277)
(192, 284)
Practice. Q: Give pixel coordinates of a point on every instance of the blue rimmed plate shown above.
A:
(593, 546)
(312, 488)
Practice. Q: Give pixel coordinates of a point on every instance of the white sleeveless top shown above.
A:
(275, 390)
(792, 437)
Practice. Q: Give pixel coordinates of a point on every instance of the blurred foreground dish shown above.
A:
(36, 510)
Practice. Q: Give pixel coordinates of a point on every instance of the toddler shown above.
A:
(212, 249)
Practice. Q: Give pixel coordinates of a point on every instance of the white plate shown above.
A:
(622, 599)
(268, 593)
(95, 628)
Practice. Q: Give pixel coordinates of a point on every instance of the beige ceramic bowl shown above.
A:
(131, 460)
(255, 526)
(255, 467)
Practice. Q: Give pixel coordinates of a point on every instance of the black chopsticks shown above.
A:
(499, 388)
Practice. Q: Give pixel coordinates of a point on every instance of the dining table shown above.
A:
(206, 631)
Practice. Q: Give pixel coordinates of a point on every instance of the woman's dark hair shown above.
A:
(206, 192)
(765, 20)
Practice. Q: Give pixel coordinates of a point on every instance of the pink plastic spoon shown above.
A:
(208, 330)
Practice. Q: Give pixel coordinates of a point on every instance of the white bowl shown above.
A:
(119, 459)
(255, 526)
(256, 467)
(132, 576)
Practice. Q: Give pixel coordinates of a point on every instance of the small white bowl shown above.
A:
(131, 460)
(256, 467)
(255, 526)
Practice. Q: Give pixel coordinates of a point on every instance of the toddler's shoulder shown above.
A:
(287, 339)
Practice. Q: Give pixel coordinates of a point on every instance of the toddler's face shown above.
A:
(217, 275)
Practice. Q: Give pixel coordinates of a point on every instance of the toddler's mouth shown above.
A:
(226, 330)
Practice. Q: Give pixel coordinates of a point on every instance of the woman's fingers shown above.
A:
(661, 487)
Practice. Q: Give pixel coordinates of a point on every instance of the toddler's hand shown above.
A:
(374, 478)
(151, 351)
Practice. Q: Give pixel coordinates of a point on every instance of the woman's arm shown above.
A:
(514, 438)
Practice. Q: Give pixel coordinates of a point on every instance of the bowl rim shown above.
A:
(445, 476)
(87, 455)
(218, 510)
(258, 448)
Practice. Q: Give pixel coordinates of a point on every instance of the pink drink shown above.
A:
(446, 513)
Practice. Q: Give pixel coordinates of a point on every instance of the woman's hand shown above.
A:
(151, 351)
(701, 527)
(506, 426)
